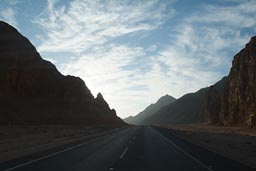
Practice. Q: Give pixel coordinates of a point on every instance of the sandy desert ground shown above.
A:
(18, 141)
(235, 143)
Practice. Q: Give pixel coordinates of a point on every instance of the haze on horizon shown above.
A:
(134, 52)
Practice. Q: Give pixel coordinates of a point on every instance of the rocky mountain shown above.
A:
(150, 110)
(237, 105)
(190, 108)
(32, 90)
(187, 109)
(230, 102)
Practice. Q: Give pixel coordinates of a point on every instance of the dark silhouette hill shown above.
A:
(150, 110)
(190, 108)
(33, 91)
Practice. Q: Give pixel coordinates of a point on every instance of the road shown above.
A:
(131, 149)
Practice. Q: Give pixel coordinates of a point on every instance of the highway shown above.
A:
(131, 149)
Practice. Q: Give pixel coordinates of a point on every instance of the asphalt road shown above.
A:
(131, 149)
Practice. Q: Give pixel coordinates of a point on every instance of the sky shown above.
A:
(134, 52)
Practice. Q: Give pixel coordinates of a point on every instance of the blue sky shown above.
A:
(133, 52)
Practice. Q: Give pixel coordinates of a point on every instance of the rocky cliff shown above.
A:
(213, 101)
(238, 101)
(212, 106)
(32, 90)
(239, 105)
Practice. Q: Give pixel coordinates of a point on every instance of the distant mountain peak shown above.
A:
(167, 96)
(151, 109)
(99, 96)
(100, 99)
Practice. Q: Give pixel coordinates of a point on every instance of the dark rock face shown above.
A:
(236, 105)
(103, 110)
(33, 91)
(213, 101)
(239, 106)
(212, 106)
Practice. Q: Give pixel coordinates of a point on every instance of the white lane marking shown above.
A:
(50, 155)
(124, 152)
(181, 150)
(56, 153)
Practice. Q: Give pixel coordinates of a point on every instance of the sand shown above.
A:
(18, 141)
(235, 143)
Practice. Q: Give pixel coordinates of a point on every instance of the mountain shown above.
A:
(238, 102)
(230, 102)
(150, 110)
(33, 91)
(187, 109)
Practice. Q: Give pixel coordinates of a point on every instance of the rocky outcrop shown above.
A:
(236, 105)
(32, 90)
(103, 110)
(213, 102)
(212, 106)
(239, 105)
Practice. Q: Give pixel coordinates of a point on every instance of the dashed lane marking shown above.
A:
(124, 152)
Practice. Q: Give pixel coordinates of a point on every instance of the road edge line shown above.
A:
(56, 153)
(181, 150)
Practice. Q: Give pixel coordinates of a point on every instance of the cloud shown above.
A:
(8, 15)
(88, 28)
(240, 15)
(83, 24)
(201, 50)
(197, 52)
(104, 70)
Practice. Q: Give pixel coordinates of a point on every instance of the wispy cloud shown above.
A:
(84, 24)
(197, 52)
(8, 15)
(88, 28)
(240, 15)
(104, 70)
(204, 44)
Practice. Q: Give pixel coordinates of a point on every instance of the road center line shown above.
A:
(124, 152)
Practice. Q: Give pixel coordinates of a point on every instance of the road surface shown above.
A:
(130, 149)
